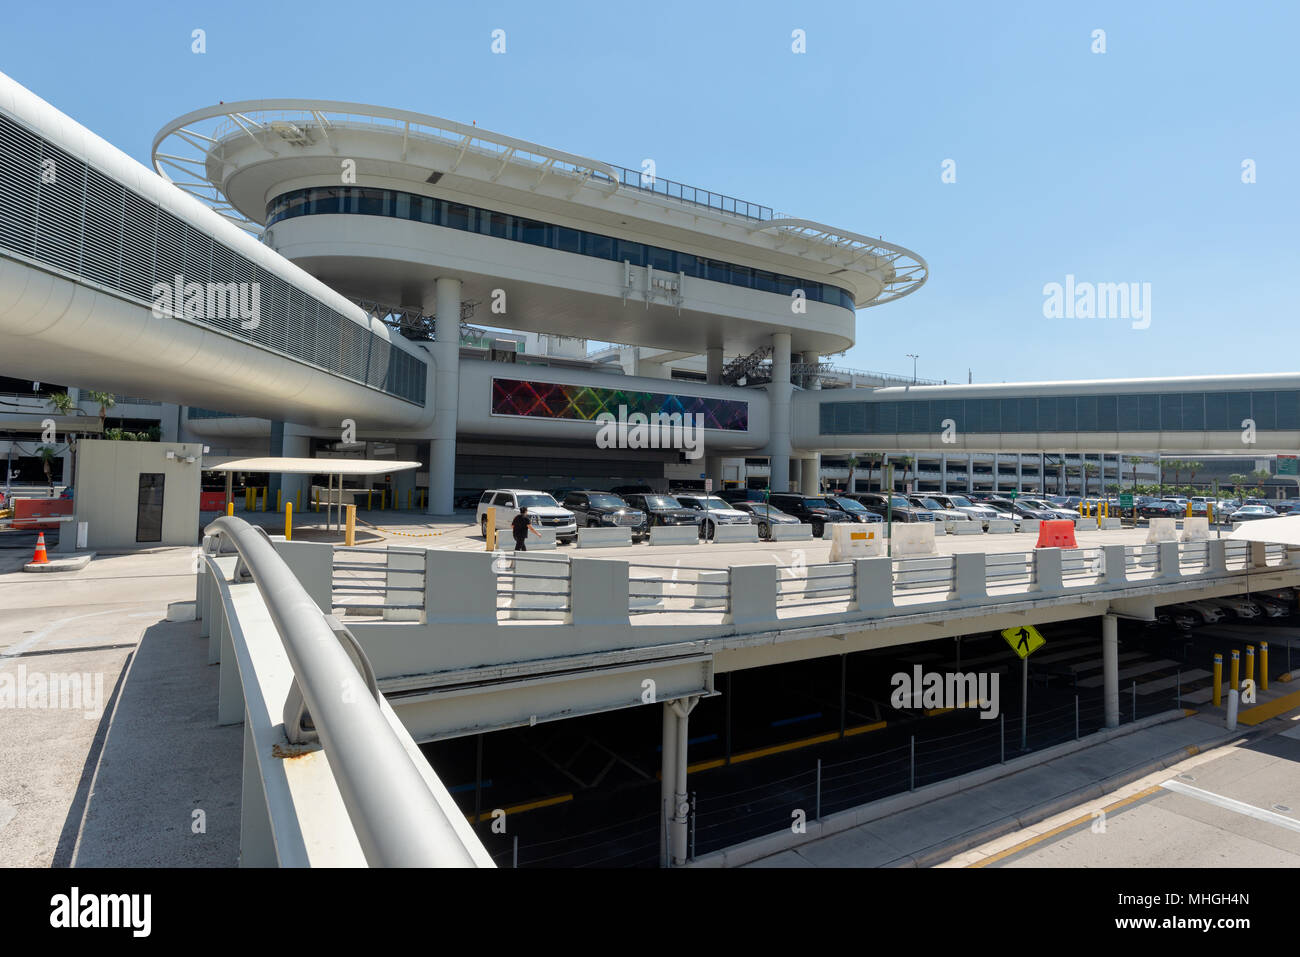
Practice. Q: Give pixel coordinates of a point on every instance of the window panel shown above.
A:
(1263, 405)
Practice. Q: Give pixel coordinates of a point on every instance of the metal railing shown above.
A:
(397, 820)
(533, 583)
(924, 576)
(678, 588)
(356, 578)
(819, 585)
(1011, 568)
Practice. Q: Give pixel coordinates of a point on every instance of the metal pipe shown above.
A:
(397, 820)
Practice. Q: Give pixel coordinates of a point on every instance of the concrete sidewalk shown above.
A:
(932, 824)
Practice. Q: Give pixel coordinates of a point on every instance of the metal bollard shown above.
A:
(1234, 679)
(1218, 680)
(1263, 665)
(288, 521)
(1232, 710)
(1250, 662)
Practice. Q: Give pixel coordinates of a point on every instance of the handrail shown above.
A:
(397, 820)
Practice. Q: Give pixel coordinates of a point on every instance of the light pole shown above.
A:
(913, 357)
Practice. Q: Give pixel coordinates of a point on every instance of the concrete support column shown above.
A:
(811, 379)
(970, 472)
(1020, 472)
(713, 470)
(713, 364)
(681, 710)
(778, 397)
(667, 779)
(810, 474)
(1110, 668)
(943, 474)
(446, 396)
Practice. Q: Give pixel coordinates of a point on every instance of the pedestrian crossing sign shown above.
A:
(1024, 640)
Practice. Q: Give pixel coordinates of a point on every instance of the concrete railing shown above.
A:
(299, 682)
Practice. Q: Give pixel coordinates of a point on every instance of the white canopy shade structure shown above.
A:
(1276, 531)
(330, 468)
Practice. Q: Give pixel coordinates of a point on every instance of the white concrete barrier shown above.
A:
(1085, 524)
(914, 539)
(791, 533)
(548, 578)
(645, 591)
(543, 541)
(1196, 530)
(828, 581)
(964, 528)
(604, 537)
(1000, 526)
(712, 590)
(856, 541)
(674, 535)
(1109, 524)
(1162, 530)
(1029, 526)
(735, 533)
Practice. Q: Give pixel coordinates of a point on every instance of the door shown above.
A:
(506, 511)
(149, 508)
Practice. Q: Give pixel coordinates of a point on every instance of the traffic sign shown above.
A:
(1125, 499)
(1013, 495)
(1024, 640)
(708, 486)
(1286, 465)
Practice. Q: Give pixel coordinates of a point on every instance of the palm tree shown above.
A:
(1237, 479)
(853, 464)
(1089, 468)
(907, 462)
(1261, 476)
(63, 405)
(106, 401)
(1135, 461)
(48, 454)
(1192, 469)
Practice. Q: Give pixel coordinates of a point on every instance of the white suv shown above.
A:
(544, 511)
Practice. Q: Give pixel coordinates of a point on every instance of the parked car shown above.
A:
(1273, 607)
(765, 516)
(543, 510)
(1207, 613)
(1239, 605)
(960, 503)
(811, 509)
(712, 512)
(661, 509)
(1251, 513)
(1055, 511)
(1160, 509)
(734, 495)
(623, 491)
(1287, 506)
(594, 509)
(855, 509)
(903, 510)
(941, 514)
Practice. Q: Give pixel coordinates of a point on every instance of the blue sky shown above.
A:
(1115, 167)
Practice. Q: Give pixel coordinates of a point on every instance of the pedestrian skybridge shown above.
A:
(110, 275)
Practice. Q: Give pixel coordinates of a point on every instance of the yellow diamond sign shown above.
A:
(1024, 640)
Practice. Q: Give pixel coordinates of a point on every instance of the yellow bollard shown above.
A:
(422, 499)
(410, 496)
(1263, 665)
(368, 494)
(490, 528)
(265, 491)
(230, 508)
(1218, 679)
(1250, 662)
(1189, 508)
(316, 503)
(278, 506)
(288, 521)
(1209, 512)
(297, 500)
(383, 499)
(1234, 680)
(350, 528)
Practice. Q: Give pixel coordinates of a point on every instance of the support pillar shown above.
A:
(713, 365)
(810, 474)
(681, 709)
(446, 396)
(667, 780)
(1110, 668)
(778, 397)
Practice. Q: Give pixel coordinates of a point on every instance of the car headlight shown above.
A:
(609, 518)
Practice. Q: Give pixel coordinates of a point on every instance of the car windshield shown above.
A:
(607, 501)
(662, 501)
(816, 503)
(537, 500)
(959, 502)
(848, 504)
(931, 503)
(899, 502)
(715, 503)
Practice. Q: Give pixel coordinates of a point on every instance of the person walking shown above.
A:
(520, 527)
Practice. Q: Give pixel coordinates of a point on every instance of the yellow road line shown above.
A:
(520, 808)
(1261, 713)
(1068, 825)
(779, 748)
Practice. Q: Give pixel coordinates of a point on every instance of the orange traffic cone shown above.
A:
(39, 557)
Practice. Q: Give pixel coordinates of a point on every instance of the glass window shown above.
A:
(496, 224)
(764, 280)
(688, 264)
(532, 232)
(1149, 413)
(1263, 405)
(1107, 419)
(373, 202)
(402, 206)
(1288, 410)
(631, 252)
(1171, 413)
(568, 240)
(1238, 409)
(1066, 417)
(1086, 406)
(1010, 411)
(1216, 411)
(601, 247)
(1194, 411)
(456, 215)
(661, 259)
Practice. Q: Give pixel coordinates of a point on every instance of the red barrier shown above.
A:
(1058, 533)
(28, 512)
(212, 501)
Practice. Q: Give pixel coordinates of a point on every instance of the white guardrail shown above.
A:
(330, 775)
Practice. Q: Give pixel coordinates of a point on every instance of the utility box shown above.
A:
(138, 494)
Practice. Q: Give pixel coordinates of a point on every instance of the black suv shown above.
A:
(812, 510)
(662, 509)
(605, 509)
(903, 510)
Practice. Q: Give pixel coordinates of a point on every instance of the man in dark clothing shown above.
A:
(521, 526)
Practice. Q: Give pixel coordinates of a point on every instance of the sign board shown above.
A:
(1125, 499)
(1287, 465)
(1024, 640)
(1013, 495)
(708, 485)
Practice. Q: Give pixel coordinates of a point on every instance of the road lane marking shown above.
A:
(17, 649)
(1229, 804)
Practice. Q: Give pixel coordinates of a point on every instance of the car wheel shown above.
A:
(590, 523)
(482, 524)
(764, 531)
(819, 531)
